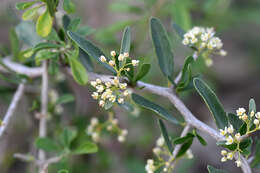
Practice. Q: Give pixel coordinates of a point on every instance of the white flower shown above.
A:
(223, 132)
(90, 130)
(126, 93)
(95, 137)
(122, 86)
(109, 128)
(156, 150)
(102, 103)
(256, 122)
(112, 98)
(209, 62)
(165, 169)
(135, 62)
(230, 156)
(229, 140)
(126, 54)
(120, 100)
(121, 138)
(111, 63)
(237, 136)
(124, 132)
(100, 88)
(257, 115)
(240, 111)
(185, 41)
(223, 52)
(95, 95)
(113, 53)
(115, 81)
(230, 129)
(239, 163)
(189, 154)
(103, 58)
(150, 168)
(223, 152)
(252, 113)
(160, 142)
(115, 121)
(59, 109)
(194, 40)
(53, 94)
(98, 81)
(223, 159)
(94, 121)
(93, 83)
(121, 57)
(244, 117)
(204, 37)
(108, 84)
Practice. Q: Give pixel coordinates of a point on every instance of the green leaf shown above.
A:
(15, 47)
(163, 113)
(89, 48)
(74, 24)
(245, 143)
(66, 22)
(256, 161)
(46, 45)
(178, 30)
(212, 102)
(184, 148)
(214, 170)
(165, 135)
(24, 5)
(85, 60)
(186, 76)
(201, 140)
(181, 140)
(44, 55)
(126, 41)
(86, 148)
(78, 71)
(142, 72)
(123, 7)
(47, 144)
(44, 24)
(69, 6)
(235, 121)
(66, 98)
(243, 129)
(252, 106)
(231, 147)
(63, 171)
(29, 14)
(162, 47)
(68, 135)
(51, 6)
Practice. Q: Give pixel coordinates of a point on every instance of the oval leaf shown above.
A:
(252, 106)
(163, 113)
(235, 121)
(126, 41)
(142, 72)
(68, 6)
(24, 5)
(78, 71)
(162, 47)
(89, 48)
(214, 170)
(46, 144)
(29, 14)
(44, 24)
(86, 148)
(212, 102)
(165, 135)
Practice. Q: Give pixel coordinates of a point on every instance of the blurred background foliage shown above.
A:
(234, 77)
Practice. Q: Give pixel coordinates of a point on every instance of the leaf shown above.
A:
(201, 140)
(123, 7)
(47, 144)
(29, 14)
(78, 71)
(142, 72)
(66, 22)
(163, 113)
(44, 55)
(212, 102)
(68, 135)
(256, 162)
(63, 171)
(178, 30)
(44, 24)
(186, 76)
(184, 148)
(231, 147)
(162, 47)
(243, 129)
(51, 6)
(252, 106)
(245, 143)
(126, 41)
(89, 48)
(66, 98)
(74, 24)
(85, 60)
(45, 45)
(86, 148)
(127, 106)
(69, 6)
(181, 140)
(214, 170)
(15, 47)
(24, 5)
(235, 121)
(165, 135)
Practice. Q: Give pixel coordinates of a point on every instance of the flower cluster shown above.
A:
(234, 138)
(95, 128)
(204, 41)
(108, 93)
(165, 158)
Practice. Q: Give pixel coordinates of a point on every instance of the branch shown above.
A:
(10, 112)
(44, 109)
(169, 93)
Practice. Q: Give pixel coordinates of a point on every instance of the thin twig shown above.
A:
(12, 107)
(44, 109)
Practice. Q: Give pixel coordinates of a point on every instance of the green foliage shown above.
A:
(185, 139)
(235, 121)
(68, 6)
(256, 162)
(44, 24)
(201, 140)
(252, 106)
(63, 171)
(165, 135)
(184, 148)
(144, 69)
(30, 14)
(15, 46)
(214, 170)
(47, 144)
(231, 147)
(126, 41)
(24, 5)
(160, 111)
(85, 148)
(162, 48)
(65, 98)
(212, 102)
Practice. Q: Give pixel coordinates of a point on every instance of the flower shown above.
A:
(160, 142)
(256, 122)
(244, 117)
(95, 95)
(156, 150)
(121, 138)
(94, 121)
(229, 140)
(223, 159)
(111, 63)
(223, 132)
(102, 103)
(126, 54)
(237, 136)
(120, 100)
(121, 57)
(150, 168)
(252, 113)
(135, 62)
(189, 154)
(103, 58)
(230, 129)
(230, 156)
(257, 115)
(113, 53)
(240, 111)
(93, 83)
(239, 163)
(223, 152)
(123, 85)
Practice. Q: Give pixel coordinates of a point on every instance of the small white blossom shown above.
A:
(135, 62)
(112, 98)
(102, 103)
(223, 159)
(126, 93)
(115, 81)
(223, 152)
(111, 63)
(239, 163)
(257, 115)
(189, 154)
(121, 138)
(230, 156)
(94, 121)
(121, 57)
(244, 117)
(240, 111)
(223, 132)
(230, 129)
(113, 53)
(95, 95)
(150, 168)
(229, 140)
(156, 150)
(100, 88)
(252, 113)
(95, 137)
(108, 84)
(223, 52)
(160, 142)
(124, 132)
(115, 121)
(237, 136)
(93, 83)
(109, 127)
(126, 54)
(122, 86)
(256, 122)
(120, 100)
(103, 58)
